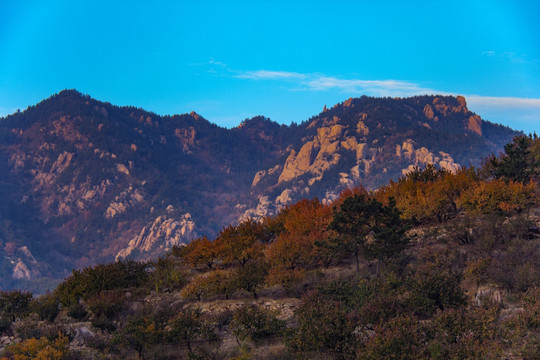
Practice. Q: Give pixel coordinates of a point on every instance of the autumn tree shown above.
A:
(216, 282)
(241, 243)
(429, 194)
(306, 218)
(444, 193)
(303, 225)
(290, 251)
(196, 287)
(499, 197)
(201, 251)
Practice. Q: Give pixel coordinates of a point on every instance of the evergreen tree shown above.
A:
(369, 229)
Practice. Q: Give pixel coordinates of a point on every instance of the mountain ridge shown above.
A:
(85, 178)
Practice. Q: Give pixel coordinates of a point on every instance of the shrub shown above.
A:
(324, 326)
(189, 327)
(5, 323)
(83, 284)
(28, 329)
(255, 323)
(46, 306)
(77, 312)
(401, 338)
(43, 348)
(106, 305)
(104, 324)
(14, 304)
(464, 334)
(139, 333)
(166, 274)
(435, 287)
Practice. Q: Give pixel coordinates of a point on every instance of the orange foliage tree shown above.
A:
(215, 282)
(241, 243)
(498, 197)
(200, 251)
(303, 224)
(429, 194)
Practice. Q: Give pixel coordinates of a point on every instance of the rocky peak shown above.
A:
(447, 105)
(194, 115)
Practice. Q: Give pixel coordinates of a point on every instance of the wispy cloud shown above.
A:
(369, 87)
(504, 102)
(321, 82)
(270, 75)
(518, 113)
(215, 62)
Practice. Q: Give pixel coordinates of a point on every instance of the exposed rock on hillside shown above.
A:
(475, 124)
(122, 202)
(160, 236)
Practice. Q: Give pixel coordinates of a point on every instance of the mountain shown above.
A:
(83, 181)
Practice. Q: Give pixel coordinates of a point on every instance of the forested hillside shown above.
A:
(436, 265)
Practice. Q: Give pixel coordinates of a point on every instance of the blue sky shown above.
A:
(229, 60)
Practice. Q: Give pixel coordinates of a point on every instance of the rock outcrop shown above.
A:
(428, 112)
(123, 201)
(315, 156)
(422, 157)
(25, 265)
(475, 124)
(161, 235)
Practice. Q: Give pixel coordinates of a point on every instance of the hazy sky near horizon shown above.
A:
(230, 60)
